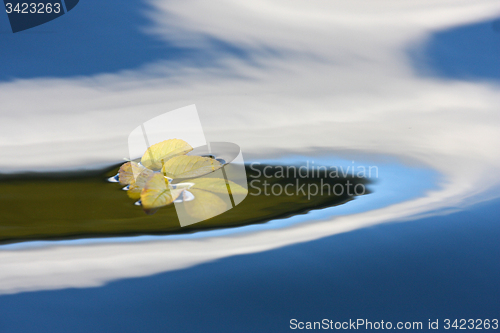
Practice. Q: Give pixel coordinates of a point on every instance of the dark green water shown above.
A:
(85, 204)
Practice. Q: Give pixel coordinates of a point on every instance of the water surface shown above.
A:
(432, 268)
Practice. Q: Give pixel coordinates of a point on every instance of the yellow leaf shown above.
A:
(157, 193)
(189, 166)
(128, 172)
(135, 189)
(156, 155)
(217, 185)
(205, 205)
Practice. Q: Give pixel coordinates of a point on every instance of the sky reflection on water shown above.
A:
(465, 52)
(433, 268)
(326, 76)
(88, 42)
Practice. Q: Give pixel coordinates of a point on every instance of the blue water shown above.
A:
(433, 268)
(99, 37)
(466, 52)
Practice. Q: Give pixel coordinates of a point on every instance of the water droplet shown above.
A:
(114, 179)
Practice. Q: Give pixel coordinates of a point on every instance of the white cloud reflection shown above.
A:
(328, 75)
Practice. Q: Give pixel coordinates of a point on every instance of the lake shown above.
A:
(398, 100)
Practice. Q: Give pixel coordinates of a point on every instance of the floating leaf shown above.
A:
(159, 153)
(128, 172)
(205, 205)
(135, 189)
(217, 185)
(189, 166)
(157, 193)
